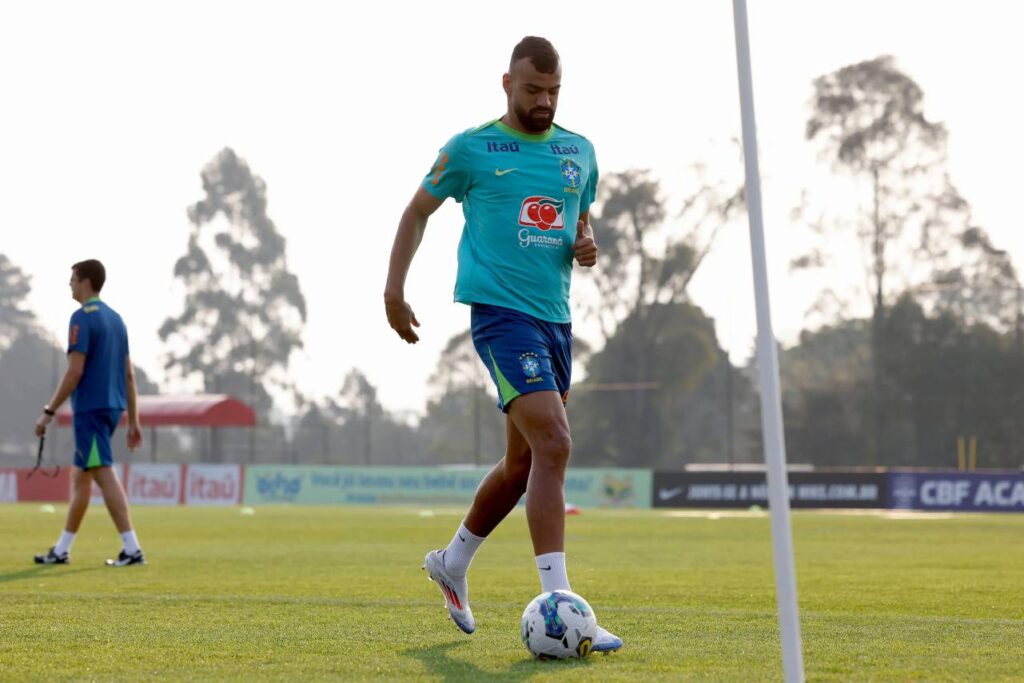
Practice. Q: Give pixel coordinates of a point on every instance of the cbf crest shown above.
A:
(531, 367)
(571, 173)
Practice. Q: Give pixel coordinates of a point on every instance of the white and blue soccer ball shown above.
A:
(558, 625)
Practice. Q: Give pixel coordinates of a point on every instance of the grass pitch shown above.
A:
(312, 593)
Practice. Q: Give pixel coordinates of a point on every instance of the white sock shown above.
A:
(551, 567)
(63, 545)
(461, 550)
(130, 542)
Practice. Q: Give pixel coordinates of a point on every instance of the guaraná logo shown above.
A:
(542, 212)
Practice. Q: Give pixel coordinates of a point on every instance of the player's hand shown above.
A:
(402, 320)
(134, 436)
(584, 249)
(41, 423)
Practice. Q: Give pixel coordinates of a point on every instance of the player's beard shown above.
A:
(536, 120)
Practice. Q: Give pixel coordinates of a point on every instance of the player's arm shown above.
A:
(584, 249)
(407, 240)
(134, 428)
(72, 376)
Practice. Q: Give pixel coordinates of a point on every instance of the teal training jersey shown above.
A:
(521, 196)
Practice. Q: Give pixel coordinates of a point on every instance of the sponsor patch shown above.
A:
(544, 213)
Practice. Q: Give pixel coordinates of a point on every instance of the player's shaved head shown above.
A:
(539, 51)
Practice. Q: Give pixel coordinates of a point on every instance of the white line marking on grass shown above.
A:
(715, 514)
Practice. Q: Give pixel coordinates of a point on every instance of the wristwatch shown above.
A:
(46, 410)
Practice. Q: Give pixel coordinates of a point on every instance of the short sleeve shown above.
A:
(450, 174)
(78, 334)
(589, 193)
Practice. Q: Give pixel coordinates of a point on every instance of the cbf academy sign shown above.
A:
(426, 485)
(975, 491)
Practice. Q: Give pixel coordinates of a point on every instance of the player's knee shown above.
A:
(553, 450)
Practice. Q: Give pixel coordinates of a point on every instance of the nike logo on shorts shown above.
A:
(499, 172)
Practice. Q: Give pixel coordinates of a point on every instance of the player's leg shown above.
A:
(117, 505)
(540, 418)
(497, 494)
(543, 420)
(504, 485)
(113, 493)
(81, 491)
(113, 497)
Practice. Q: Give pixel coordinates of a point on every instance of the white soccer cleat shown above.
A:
(455, 590)
(604, 641)
(51, 557)
(125, 559)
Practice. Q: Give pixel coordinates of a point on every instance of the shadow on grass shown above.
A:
(438, 662)
(40, 570)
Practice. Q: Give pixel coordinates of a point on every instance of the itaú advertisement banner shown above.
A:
(8, 485)
(426, 485)
(213, 485)
(46, 485)
(973, 491)
(153, 484)
(143, 483)
(743, 489)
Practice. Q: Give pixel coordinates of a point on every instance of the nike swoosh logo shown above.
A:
(665, 494)
(546, 569)
(461, 538)
(499, 172)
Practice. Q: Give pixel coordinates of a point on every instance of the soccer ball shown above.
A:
(558, 625)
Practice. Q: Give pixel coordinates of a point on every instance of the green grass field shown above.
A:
(310, 593)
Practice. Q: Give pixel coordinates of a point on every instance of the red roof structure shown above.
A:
(186, 410)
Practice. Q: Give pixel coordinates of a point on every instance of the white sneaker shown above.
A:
(125, 559)
(605, 641)
(455, 591)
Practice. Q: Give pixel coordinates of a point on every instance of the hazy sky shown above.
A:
(110, 111)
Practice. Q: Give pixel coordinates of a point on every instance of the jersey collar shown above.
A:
(525, 137)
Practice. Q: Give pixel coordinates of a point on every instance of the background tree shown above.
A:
(359, 412)
(644, 260)
(353, 428)
(660, 352)
(681, 416)
(28, 364)
(15, 316)
(826, 394)
(316, 435)
(244, 312)
(912, 224)
(945, 379)
(461, 424)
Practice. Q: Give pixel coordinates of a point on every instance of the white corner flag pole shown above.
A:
(768, 364)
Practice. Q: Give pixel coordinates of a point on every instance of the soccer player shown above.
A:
(101, 383)
(526, 186)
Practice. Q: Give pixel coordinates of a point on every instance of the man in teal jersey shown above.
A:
(526, 186)
(101, 383)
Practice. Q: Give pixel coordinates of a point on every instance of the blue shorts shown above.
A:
(92, 438)
(522, 353)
